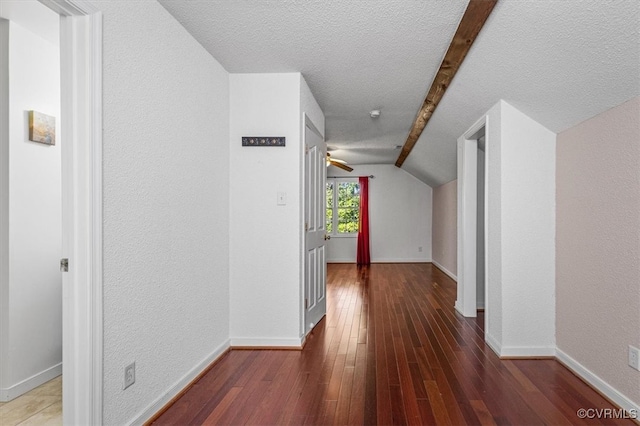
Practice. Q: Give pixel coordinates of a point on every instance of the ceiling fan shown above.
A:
(338, 163)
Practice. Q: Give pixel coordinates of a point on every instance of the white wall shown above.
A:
(266, 239)
(522, 204)
(309, 105)
(31, 305)
(4, 203)
(598, 250)
(166, 207)
(493, 164)
(445, 228)
(480, 225)
(400, 208)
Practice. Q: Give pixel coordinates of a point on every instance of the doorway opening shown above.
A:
(81, 113)
(81, 190)
(480, 227)
(31, 206)
(473, 150)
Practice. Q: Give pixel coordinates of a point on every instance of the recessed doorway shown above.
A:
(31, 206)
(473, 149)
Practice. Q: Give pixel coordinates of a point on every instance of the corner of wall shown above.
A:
(179, 385)
(597, 250)
(527, 214)
(4, 200)
(445, 270)
(493, 343)
(265, 298)
(598, 383)
(517, 204)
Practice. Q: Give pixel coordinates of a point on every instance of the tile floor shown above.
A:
(42, 406)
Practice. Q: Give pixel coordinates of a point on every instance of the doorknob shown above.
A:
(327, 237)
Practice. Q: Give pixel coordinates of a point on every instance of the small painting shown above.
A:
(42, 128)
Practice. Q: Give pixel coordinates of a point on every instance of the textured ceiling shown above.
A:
(558, 61)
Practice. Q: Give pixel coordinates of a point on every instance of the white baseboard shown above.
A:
(578, 369)
(445, 270)
(178, 386)
(384, 260)
(458, 308)
(249, 342)
(12, 392)
(518, 351)
(527, 351)
(596, 382)
(493, 343)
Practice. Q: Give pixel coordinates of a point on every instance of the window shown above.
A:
(343, 206)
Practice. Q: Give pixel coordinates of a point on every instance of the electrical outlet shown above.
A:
(129, 375)
(634, 357)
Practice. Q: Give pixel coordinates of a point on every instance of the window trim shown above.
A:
(334, 226)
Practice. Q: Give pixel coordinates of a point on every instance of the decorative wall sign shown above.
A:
(263, 141)
(42, 128)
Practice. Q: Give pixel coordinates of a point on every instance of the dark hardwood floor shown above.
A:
(391, 350)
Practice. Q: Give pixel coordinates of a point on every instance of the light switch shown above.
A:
(282, 198)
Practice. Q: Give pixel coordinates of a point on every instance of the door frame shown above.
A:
(466, 301)
(81, 111)
(306, 122)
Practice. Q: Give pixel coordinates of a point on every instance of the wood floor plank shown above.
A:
(370, 388)
(440, 411)
(253, 390)
(328, 413)
(204, 395)
(358, 389)
(390, 350)
(287, 413)
(397, 406)
(316, 413)
(222, 408)
(485, 417)
(344, 397)
(426, 412)
(279, 391)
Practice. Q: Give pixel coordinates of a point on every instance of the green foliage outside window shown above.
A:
(329, 207)
(346, 206)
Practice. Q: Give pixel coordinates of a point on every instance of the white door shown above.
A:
(315, 173)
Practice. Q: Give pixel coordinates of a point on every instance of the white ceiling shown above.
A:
(558, 61)
(34, 16)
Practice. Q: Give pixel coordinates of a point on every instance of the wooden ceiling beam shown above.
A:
(341, 166)
(470, 25)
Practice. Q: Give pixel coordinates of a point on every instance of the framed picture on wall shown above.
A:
(42, 128)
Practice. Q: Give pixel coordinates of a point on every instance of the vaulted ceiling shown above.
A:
(558, 61)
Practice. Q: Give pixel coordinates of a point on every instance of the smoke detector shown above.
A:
(375, 113)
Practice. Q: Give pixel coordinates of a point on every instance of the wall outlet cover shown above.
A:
(129, 375)
(634, 357)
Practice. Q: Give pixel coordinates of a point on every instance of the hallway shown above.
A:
(391, 350)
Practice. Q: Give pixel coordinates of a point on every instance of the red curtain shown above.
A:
(364, 257)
